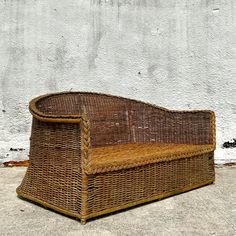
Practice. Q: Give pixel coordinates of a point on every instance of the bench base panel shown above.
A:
(107, 211)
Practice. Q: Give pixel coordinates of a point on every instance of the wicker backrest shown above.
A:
(117, 120)
(156, 125)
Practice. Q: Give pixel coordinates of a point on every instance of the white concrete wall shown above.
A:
(179, 54)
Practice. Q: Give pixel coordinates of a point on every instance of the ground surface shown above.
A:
(209, 210)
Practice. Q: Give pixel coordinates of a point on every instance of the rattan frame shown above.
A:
(76, 187)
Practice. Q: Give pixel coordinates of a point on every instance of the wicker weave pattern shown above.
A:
(139, 183)
(55, 161)
(91, 153)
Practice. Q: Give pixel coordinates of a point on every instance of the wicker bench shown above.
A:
(92, 154)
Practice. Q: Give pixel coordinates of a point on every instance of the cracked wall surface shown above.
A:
(180, 54)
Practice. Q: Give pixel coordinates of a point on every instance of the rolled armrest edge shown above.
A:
(50, 117)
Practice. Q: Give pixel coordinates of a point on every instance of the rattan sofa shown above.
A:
(92, 154)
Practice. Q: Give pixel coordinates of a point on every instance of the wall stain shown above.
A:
(39, 56)
(233, 107)
(133, 3)
(171, 62)
(16, 51)
(151, 69)
(58, 63)
(13, 84)
(118, 10)
(95, 35)
(210, 90)
(16, 149)
(230, 164)
(230, 144)
(60, 55)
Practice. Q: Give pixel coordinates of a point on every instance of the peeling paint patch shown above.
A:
(16, 163)
(230, 144)
(16, 149)
(230, 164)
(216, 9)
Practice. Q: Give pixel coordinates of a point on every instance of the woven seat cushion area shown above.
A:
(122, 156)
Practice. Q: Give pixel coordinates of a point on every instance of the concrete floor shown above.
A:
(209, 210)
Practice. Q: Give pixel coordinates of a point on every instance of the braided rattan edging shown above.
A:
(34, 109)
(131, 204)
(213, 129)
(86, 159)
(90, 170)
(86, 156)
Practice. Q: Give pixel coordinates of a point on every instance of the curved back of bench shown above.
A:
(116, 120)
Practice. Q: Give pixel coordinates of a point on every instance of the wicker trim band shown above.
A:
(213, 129)
(86, 145)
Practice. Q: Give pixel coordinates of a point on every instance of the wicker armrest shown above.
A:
(40, 109)
(57, 117)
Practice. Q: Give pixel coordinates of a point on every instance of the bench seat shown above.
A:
(93, 154)
(122, 156)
